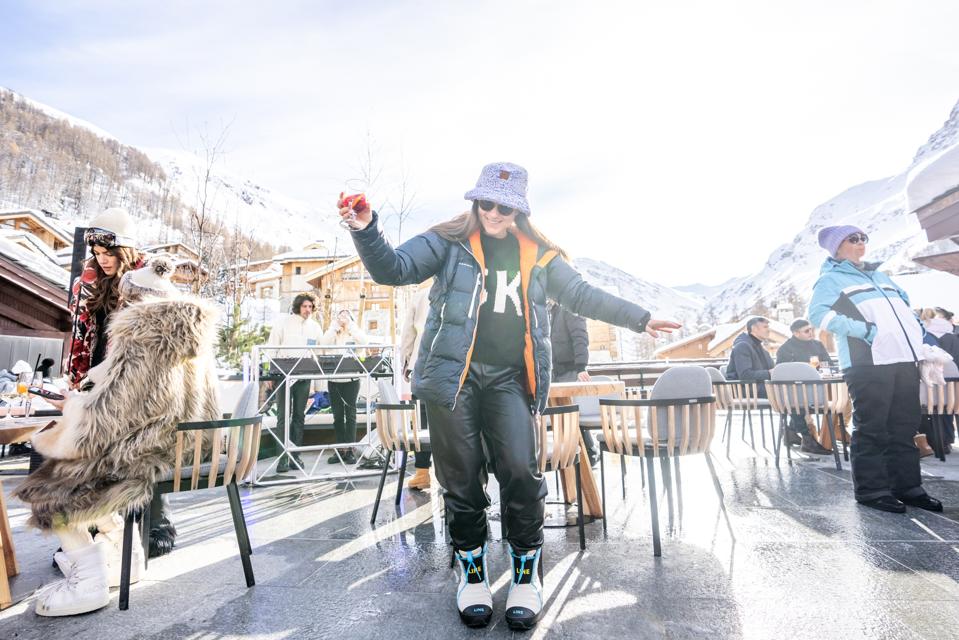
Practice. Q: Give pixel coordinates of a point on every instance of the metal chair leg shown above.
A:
(653, 508)
(379, 490)
(752, 435)
(642, 472)
(126, 560)
(146, 521)
(622, 473)
(242, 535)
(729, 440)
(762, 428)
(579, 508)
(937, 428)
(777, 445)
(400, 477)
(602, 484)
(667, 483)
(842, 435)
(832, 437)
(679, 487)
(719, 492)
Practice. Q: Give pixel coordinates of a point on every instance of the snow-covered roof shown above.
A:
(37, 263)
(684, 341)
(330, 268)
(930, 289)
(726, 331)
(43, 220)
(264, 276)
(933, 178)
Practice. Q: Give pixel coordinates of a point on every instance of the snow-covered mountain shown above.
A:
(267, 215)
(662, 301)
(54, 161)
(878, 207)
(703, 292)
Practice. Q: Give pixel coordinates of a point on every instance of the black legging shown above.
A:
(492, 408)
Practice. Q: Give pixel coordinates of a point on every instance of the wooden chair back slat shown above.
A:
(563, 423)
(197, 460)
(178, 463)
(232, 449)
(249, 455)
(215, 458)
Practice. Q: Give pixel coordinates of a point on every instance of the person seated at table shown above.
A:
(116, 440)
(803, 347)
(750, 361)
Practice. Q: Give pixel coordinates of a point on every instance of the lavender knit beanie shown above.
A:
(831, 237)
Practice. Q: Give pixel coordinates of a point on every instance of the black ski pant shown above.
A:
(492, 409)
(886, 416)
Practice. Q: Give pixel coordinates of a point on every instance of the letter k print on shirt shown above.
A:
(506, 290)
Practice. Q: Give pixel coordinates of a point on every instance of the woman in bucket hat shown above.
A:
(879, 340)
(483, 369)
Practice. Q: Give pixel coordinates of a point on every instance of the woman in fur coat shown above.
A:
(115, 441)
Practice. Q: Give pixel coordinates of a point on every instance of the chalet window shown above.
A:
(298, 270)
(373, 325)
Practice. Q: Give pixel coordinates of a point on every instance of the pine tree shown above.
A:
(237, 338)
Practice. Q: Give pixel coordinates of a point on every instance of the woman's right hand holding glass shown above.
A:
(355, 220)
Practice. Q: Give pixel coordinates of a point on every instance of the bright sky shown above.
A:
(680, 141)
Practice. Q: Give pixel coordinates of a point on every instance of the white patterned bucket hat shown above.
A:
(503, 183)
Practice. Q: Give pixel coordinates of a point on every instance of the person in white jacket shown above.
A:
(343, 393)
(411, 334)
(298, 328)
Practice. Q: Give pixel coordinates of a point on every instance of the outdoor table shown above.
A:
(11, 430)
(562, 393)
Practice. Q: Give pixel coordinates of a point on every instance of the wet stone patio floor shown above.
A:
(806, 562)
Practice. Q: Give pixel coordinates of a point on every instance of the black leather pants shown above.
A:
(492, 409)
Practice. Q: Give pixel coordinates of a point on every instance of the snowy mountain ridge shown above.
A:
(878, 207)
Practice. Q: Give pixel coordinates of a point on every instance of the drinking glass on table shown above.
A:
(8, 396)
(814, 361)
(23, 389)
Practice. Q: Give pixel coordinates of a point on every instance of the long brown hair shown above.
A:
(106, 289)
(460, 228)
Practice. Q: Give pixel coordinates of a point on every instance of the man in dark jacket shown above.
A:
(570, 342)
(749, 360)
(802, 346)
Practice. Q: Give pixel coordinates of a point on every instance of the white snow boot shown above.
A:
(474, 600)
(114, 541)
(83, 589)
(525, 600)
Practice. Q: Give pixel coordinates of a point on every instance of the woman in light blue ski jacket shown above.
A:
(879, 339)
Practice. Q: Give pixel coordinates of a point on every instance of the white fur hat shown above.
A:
(151, 281)
(116, 221)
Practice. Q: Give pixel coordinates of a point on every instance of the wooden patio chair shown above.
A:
(677, 420)
(807, 394)
(558, 443)
(398, 426)
(235, 443)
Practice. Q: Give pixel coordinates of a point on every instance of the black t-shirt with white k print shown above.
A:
(501, 334)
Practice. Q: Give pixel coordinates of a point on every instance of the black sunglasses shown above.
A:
(856, 238)
(487, 205)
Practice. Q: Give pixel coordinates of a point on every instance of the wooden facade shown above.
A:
(346, 284)
(36, 223)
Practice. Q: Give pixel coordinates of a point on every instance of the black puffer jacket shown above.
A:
(450, 331)
(570, 340)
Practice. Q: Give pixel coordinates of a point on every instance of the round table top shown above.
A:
(20, 429)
